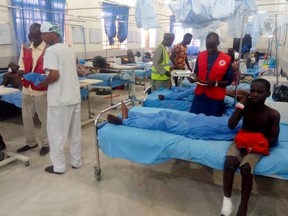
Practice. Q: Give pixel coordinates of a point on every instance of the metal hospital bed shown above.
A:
(5, 156)
(15, 96)
(146, 146)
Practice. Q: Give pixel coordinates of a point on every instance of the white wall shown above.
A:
(282, 23)
(7, 51)
(93, 10)
(79, 18)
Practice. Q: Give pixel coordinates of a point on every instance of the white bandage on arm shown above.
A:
(240, 106)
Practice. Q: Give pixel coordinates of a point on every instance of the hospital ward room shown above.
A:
(143, 108)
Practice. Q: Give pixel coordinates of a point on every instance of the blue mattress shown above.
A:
(118, 80)
(13, 98)
(140, 73)
(16, 98)
(147, 146)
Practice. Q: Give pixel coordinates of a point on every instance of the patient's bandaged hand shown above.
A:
(35, 78)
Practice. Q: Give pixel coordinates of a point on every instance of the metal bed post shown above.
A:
(240, 53)
(111, 89)
(276, 54)
(97, 168)
(146, 92)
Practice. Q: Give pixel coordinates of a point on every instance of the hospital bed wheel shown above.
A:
(27, 163)
(98, 177)
(97, 173)
(2, 156)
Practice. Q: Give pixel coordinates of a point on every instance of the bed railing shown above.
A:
(97, 168)
(146, 92)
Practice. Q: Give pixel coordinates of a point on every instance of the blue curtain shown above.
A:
(123, 14)
(112, 13)
(27, 12)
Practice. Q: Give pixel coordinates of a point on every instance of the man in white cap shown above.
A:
(161, 67)
(63, 97)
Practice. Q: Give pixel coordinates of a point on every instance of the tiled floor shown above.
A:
(176, 188)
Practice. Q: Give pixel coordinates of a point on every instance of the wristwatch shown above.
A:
(216, 84)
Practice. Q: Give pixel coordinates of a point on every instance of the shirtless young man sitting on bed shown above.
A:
(259, 132)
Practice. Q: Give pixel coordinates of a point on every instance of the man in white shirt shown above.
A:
(63, 97)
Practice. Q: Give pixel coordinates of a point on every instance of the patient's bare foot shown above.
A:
(124, 111)
(161, 97)
(114, 119)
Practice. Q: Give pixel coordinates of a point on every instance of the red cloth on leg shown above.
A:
(252, 141)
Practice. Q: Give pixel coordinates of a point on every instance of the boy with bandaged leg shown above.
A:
(259, 132)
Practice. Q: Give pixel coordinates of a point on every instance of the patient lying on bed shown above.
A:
(192, 126)
(180, 94)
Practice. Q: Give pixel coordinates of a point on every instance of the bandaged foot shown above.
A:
(161, 97)
(114, 119)
(124, 111)
(227, 207)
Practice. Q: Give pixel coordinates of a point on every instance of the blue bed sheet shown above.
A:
(147, 146)
(153, 101)
(118, 79)
(13, 98)
(183, 104)
(16, 98)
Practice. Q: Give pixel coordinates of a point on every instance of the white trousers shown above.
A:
(64, 124)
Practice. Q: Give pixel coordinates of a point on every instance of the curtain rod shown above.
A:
(116, 3)
(269, 4)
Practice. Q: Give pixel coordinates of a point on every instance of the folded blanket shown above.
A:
(35, 78)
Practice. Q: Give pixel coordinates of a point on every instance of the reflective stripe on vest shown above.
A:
(165, 62)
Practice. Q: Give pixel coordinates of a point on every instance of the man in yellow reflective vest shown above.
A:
(161, 69)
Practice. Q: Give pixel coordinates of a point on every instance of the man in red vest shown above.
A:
(34, 98)
(213, 72)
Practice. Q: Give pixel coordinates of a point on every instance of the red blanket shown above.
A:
(252, 141)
